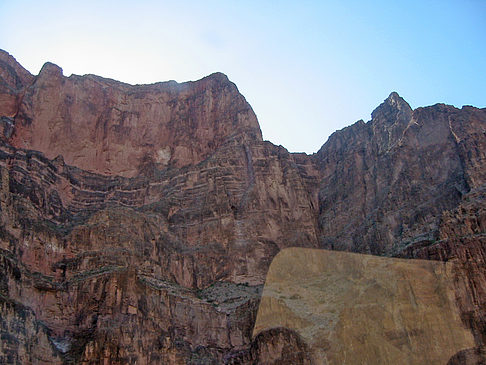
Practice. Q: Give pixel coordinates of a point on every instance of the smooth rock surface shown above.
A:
(361, 309)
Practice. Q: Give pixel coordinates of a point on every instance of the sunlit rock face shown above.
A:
(111, 128)
(138, 222)
(166, 266)
(359, 309)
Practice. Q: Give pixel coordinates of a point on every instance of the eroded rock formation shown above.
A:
(138, 222)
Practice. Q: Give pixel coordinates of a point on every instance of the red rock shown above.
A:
(111, 128)
(138, 222)
(13, 81)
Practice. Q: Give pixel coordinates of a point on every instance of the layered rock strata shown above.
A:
(138, 222)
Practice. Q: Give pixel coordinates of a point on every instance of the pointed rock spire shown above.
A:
(389, 120)
(390, 107)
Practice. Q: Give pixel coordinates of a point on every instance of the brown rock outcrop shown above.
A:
(163, 267)
(138, 222)
(462, 240)
(360, 309)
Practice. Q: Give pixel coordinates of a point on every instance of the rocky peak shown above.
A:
(393, 103)
(13, 80)
(12, 74)
(50, 69)
(396, 100)
(217, 76)
(389, 121)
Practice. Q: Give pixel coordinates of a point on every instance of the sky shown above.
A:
(308, 68)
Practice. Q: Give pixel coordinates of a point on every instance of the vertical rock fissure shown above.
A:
(250, 179)
(240, 229)
(457, 141)
(249, 166)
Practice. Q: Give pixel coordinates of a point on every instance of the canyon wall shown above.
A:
(138, 222)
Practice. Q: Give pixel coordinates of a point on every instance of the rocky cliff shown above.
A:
(138, 222)
(111, 128)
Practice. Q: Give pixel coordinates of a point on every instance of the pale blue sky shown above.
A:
(307, 68)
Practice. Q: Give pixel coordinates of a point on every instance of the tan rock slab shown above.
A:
(361, 309)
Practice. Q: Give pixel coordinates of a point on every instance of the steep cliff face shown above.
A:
(386, 183)
(462, 240)
(111, 128)
(138, 222)
(411, 184)
(165, 266)
(13, 80)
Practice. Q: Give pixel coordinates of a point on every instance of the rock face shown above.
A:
(395, 175)
(112, 128)
(360, 309)
(138, 222)
(13, 81)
